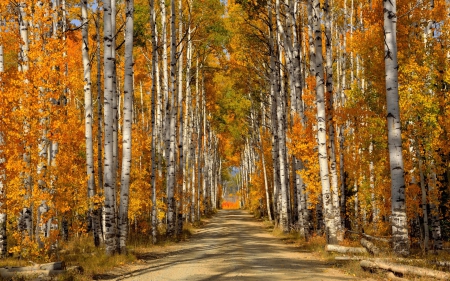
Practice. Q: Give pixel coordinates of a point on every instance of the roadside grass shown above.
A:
(81, 252)
(316, 245)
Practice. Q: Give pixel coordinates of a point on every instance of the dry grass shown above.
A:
(316, 244)
(81, 251)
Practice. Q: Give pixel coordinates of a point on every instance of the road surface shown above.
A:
(234, 246)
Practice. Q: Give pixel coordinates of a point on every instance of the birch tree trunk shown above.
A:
(281, 136)
(25, 217)
(322, 127)
(108, 176)
(273, 110)
(181, 129)
(154, 117)
(3, 216)
(88, 113)
(171, 177)
(126, 131)
(398, 218)
(165, 82)
(331, 132)
(98, 209)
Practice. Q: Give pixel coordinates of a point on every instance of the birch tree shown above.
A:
(154, 116)
(398, 218)
(330, 109)
(88, 115)
(171, 177)
(108, 170)
(25, 219)
(127, 124)
(3, 215)
(321, 125)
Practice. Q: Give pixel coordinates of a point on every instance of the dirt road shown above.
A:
(233, 246)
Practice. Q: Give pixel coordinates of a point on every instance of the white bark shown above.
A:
(331, 131)
(398, 218)
(322, 127)
(3, 217)
(154, 116)
(88, 113)
(108, 176)
(281, 138)
(181, 137)
(98, 235)
(171, 177)
(165, 82)
(126, 131)
(273, 110)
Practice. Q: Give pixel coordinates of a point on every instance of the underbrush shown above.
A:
(81, 252)
(315, 245)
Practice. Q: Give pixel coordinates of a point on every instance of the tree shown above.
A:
(321, 126)
(109, 169)
(398, 218)
(127, 125)
(88, 115)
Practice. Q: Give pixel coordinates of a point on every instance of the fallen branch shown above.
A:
(44, 266)
(374, 238)
(405, 269)
(345, 250)
(393, 277)
(38, 270)
(370, 247)
(340, 258)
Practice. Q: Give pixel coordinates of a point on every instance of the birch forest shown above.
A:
(138, 117)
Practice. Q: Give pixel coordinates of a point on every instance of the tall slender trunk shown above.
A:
(330, 115)
(165, 82)
(126, 131)
(181, 138)
(171, 177)
(322, 127)
(398, 218)
(98, 209)
(154, 116)
(108, 171)
(281, 134)
(341, 137)
(88, 113)
(273, 110)
(266, 183)
(26, 218)
(3, 216)
(115, 107)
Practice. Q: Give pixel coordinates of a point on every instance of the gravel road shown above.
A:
(234, 246)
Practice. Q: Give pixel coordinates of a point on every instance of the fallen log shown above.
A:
(37, 270)
(345, 250)
(405, 269)
(441, 263)
(45, 266)
(370, 247)
(374, 238)
(340, 258)
(393, 277)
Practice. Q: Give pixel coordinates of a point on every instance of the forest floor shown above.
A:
(232, 245)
